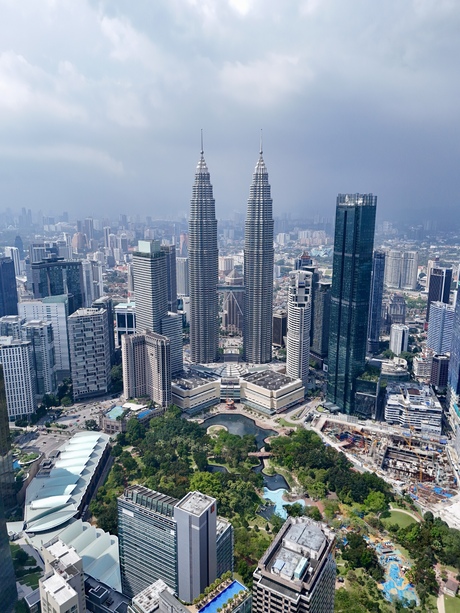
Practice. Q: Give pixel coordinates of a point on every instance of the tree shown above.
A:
(375, 502)
(116, 375)
(135, 431)
(91, 424)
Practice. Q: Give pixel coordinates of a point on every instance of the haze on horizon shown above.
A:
(101, 104)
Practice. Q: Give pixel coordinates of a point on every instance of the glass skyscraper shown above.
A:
(8, 290)
(453, 383)
(375, 305)
(351, 283)
(258, 269)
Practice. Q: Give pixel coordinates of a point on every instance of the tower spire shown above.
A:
(261, 148)
(202, 148)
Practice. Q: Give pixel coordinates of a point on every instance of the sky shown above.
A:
(102, 103)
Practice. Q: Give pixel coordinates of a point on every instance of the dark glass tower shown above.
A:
(439, 287)
(351, 283)
(258, 269)
(375, 305)
(453, 381)
(8, 290)
(56, 276)
(203, 269)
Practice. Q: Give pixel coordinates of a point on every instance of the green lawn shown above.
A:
(396, 517)
(31, 580)
(452, 605)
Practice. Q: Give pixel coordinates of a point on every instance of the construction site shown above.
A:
(415, 464)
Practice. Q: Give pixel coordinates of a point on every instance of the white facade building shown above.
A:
(399, 338)
(439, 337)
(40, 335)
(298, 325)
(13, 253)
(16, 358)
(412, 405)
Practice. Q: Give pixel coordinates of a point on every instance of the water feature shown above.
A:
(276, 496)
(241, 425)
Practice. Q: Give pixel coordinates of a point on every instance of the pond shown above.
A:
(241, 425)
(276, 496)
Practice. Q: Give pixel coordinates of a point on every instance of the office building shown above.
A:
(8, 592)
(150, 286)
(453, 383)
(375, 304)
(203, 269)
(171, 327)
(415, 406)
(41, 337)
(56, 276)
(399, 338)
(146, 360)
(62, 587)
(125, 320)
(439, 287)
(279, 328)
(439, 336)
(17, 360)
(182, 277)
(7, 482)
(8, 289)
(320, 320)
(89, 352)
(298, 324)
(258, 269)
(106, 303)
(93, 286)
(422, 365)
(351, 284)
(13, 253)
(53, 309)
(440, 371)
(396, 309)
(170, 253)
(157, 598)
(297, 573)
(161, 537)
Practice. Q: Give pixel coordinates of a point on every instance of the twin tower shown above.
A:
(204, 271)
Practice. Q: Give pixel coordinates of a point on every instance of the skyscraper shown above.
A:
(170, 252)
(7, 485)
(258, 269)
(320, 320)
(453, 383)
(399, 338)
(8, 289)
(16, 358)
(8, 592)
(56, 276)
(351, 283)
(375, 305)
(439, 336)
(298, 325)
(182, 276)
(150, 286)
(203, 269)
(439, 287)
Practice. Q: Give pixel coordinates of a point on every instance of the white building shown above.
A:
(53, 309)
(439, 337)
(298, 325)
(40, 335)
(146, 362)
(89, 352)
(422, 365)
(270, 392)
(16, 358)
(125, 320)
(182, 278)
(62, 588)
(13, 253)
(413, 405)
(401, 269)
(194, 393)
(399, 338)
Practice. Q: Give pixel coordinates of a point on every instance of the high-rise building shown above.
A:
(439, 288)
(440, 371)
(439, 336)
(203, 269)
(298, 325)
(401, 269)
(351, 283)
(320, 320)
(453, 384)
(89, 352)
(125, 320)
(41, 337)
(7, 483)
(178, 541)
(297, 573)
(106, 303)
(146, 362)
(393, 269)
(399, 338)
(13, 253)
(55, 276)
(8, 289)
(183, 287)
(16, 358)
(150, 286)
(375, 304)
(258, 269)
(279, 328)
(62, 587)
(170, 252)
(8, 592)
(53, 309)
(171, 327)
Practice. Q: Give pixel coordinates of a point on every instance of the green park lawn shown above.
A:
(452, 605)
(396, 517)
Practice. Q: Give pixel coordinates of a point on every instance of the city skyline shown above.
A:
(69, 108)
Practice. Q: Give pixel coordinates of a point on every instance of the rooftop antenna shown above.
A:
(202, 149)
(261, 149)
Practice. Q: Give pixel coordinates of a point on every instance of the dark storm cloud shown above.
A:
(101, 103)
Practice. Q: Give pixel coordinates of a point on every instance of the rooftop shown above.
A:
(148, 599)
(192, 380)
(196, 503)
(58, 589)
(268, 379)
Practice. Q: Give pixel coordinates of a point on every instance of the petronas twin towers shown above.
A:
(258, 269)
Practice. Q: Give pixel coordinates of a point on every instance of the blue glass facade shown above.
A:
(453, 382)
(375, 305)
(351, 283)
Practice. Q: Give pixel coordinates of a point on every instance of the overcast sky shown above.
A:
(101, 103)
